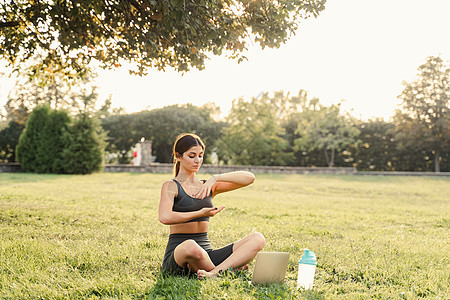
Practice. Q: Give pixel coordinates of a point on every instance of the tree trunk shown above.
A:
(326, 157)
(437, 167)
(331, 164)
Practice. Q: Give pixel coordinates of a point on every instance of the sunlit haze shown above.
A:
(357, 51)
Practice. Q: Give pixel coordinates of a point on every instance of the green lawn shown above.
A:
(98, 236)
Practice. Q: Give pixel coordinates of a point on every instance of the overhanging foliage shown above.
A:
(65, 36)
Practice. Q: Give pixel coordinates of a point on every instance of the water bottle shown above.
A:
(306, 269)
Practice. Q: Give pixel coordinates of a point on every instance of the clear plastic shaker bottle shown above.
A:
(306, 270)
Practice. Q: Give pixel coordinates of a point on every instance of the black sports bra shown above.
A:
(185, 203)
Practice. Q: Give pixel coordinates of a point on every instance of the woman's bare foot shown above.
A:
(205, 274)
(242, 268)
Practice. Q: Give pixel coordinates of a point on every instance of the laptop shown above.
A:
(270, 267)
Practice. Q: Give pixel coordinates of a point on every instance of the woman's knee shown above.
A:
(191, 250)
(258, 240)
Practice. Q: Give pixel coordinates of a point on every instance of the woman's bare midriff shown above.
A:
(192, 227)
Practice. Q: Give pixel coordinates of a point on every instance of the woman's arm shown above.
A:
(225, 182)
(169, 217)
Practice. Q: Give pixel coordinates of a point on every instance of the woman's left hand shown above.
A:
(206, 188)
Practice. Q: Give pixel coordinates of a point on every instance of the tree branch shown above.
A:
(9, 24)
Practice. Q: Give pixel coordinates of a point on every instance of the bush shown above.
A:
(42, 142)
(49, 154)
(50, 144)
(9, 139)
(83, 151)
(29, 139)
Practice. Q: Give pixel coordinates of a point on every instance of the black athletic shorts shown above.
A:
(217, 256)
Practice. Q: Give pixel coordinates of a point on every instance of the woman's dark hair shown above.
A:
(183, 143)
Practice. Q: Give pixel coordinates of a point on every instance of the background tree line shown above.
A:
(277, 129)
(273, 129)
(53, 128)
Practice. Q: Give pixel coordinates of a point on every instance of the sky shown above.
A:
(359, 51)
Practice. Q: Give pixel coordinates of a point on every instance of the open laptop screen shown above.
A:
(270, 267)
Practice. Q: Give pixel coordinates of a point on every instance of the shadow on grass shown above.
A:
(175, 287)
(240, 281)
(227, 285)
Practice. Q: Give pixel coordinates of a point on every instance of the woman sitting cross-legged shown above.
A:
(186, 205)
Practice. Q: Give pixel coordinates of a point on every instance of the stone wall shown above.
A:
(402, 173)
(10, 168)
(212, 169)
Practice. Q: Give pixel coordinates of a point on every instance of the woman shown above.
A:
(186, 205)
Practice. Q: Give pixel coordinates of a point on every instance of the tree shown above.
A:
(9, 138)
(41, 143)
(292, 110)
(121, 137)
(254, 135)
(28, 93)
(161, 126)
(151, 33)
(377, 148)
(85, 140)
(51, 143)
(325, 128)
(83, 152)
(423, 120)
(17, 111)
(29, 141)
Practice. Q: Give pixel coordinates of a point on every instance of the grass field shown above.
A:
(98, 236)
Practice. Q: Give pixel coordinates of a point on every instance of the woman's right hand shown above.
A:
(211, 211)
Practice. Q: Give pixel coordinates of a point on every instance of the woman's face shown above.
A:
(192, 159)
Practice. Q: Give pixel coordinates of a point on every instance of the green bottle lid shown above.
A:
(308, 258)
